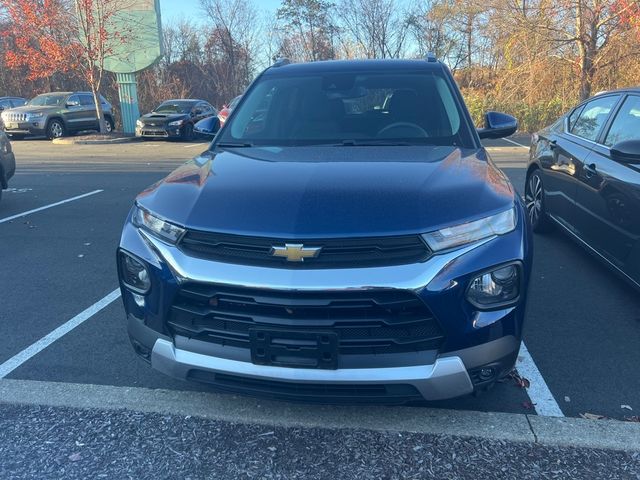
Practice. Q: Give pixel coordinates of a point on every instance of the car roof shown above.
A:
(193, 100)
(21, 98)
(619, 90)
(353, 66)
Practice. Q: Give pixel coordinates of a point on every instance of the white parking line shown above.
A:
(538, 391)
(14, 362)
(51, 205)
(194, 145)
(515, 143)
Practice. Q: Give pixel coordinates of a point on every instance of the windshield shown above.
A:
(47, 100)
(175, 107)
(234, 102)
(415, 108)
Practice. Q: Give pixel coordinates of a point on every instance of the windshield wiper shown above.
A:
(233, 145)
(369, 143)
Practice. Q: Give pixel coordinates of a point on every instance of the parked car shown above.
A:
(584, 176)
(174, 119)
(322, 255)
(7, 162)
(226, 110)
(55, 115)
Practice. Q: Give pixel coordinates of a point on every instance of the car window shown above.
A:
(175, 107)
(86, 100)
(626, 125)
(73, 98)
(18, 102)
(55, 99)
(593, 117)
(408, 107)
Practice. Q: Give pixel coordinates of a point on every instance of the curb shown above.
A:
(81, 141)
(511, 427)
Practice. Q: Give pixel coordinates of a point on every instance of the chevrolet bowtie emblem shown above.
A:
(295, 252)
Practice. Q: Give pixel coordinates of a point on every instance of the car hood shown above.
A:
(161, 118)
(34, 108)
(316, 192)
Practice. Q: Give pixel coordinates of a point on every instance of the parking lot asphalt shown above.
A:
(583, 323)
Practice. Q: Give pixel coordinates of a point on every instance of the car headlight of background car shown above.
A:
(175, 123)
(139, 124)
(470, 232)
(34, 116)
(160, 228)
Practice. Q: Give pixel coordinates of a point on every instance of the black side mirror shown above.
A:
(626, 152)
(207, 127)
(498, 125)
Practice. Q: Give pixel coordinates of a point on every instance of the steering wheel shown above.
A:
(416, 128)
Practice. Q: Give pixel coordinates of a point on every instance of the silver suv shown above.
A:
(55, 115)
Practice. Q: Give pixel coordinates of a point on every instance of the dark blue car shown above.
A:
(346, 237)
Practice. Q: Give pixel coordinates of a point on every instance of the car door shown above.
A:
(89, 119)
(608, 193)
(73, 114)
(557, 152)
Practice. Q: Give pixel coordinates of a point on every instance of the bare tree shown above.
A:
(378, 27)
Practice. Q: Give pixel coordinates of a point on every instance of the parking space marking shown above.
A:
(51, 205)
(515, 143)
(538, 391)
(194, 145)
(14, 362)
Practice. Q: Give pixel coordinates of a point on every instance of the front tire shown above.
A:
(535, 202)
(55, 129)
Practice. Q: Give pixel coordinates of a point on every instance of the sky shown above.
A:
(190, 9)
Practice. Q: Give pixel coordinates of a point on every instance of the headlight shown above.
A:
(175, 123)
(160, 228)
(497, 288)
(33, 116)
(133, 273)
(450, 237)
(139, 124)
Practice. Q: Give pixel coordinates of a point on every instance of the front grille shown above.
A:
(334, 253)
(308, 392)
(369, 322)
(16, 117)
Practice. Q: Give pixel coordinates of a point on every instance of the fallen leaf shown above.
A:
(519, 380)
(528, 405)
(78, 444)
(633, 418)
(592, 416)
(273, 449)
(567, 399)
(74, 457)
(626, 407)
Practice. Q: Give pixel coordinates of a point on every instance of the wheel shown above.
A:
(187, 132)
(108, 125)
(535, 203)
(55, 129)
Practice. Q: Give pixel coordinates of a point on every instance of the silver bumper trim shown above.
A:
(446, 378)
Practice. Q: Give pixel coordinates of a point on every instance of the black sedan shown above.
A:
(7, 162)
(584, 176)
(174, 119)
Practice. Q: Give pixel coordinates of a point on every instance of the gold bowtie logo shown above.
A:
(295, 252)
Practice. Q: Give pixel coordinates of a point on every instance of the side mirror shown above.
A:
(626, 152)
(73, 103)
(498, 125)
(207, 127)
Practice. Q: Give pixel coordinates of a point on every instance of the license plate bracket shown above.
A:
(294, 348)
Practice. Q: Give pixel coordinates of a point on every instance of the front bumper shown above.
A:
(474, 340)
(25, 128)
(158, 132)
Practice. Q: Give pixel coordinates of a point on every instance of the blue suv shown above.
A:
(345, 238)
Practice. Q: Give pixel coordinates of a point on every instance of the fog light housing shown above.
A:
(134, 274)
(496, 288)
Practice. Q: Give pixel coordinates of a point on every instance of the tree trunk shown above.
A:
(96, 100)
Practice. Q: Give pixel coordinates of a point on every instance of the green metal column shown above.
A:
(128, 91)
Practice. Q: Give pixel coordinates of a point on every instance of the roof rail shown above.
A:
(280, 62)
(431, 57)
